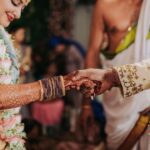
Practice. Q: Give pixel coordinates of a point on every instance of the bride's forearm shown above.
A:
(20, 94)
(47, 89)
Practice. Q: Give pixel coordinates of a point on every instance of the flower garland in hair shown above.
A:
(11, 128)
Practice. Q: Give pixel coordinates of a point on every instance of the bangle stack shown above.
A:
(52, 88)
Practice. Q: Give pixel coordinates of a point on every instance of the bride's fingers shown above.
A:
(87, 91)
(80, 84)
(78, 88)
(73, 86)
(79, 75)
(88, 83)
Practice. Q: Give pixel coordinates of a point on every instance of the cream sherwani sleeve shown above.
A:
(134, 78)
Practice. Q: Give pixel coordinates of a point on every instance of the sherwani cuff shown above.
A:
(134, 78)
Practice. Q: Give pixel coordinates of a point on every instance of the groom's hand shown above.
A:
(104, 79)
(92, 81)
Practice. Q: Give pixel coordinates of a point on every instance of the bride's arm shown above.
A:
(19, 94)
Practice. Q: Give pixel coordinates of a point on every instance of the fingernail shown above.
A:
(94, 94)
(92, 97)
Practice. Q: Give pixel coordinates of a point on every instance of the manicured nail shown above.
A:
(92, 97)
(78, 88)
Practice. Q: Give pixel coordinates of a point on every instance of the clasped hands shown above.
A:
(92, 82)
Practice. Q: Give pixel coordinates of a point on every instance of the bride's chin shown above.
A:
(4, 23)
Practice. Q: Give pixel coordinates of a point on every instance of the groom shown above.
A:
(130, 79)
(120, 31)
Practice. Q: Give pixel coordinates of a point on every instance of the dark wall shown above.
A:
(86, 2)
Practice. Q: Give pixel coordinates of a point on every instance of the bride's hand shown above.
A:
(85, 85)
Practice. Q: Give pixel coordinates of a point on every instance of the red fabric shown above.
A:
(48, 113)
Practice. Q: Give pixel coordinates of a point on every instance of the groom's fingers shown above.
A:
(105, 86)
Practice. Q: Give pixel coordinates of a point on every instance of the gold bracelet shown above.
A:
(42, 91)
(54, 89)
(51, 87)
(63, 85)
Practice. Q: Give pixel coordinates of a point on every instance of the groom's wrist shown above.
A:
(116, 80)
(113, 78)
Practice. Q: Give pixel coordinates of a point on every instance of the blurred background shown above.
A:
(51, 39)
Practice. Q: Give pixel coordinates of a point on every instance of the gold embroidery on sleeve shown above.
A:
(128, 75)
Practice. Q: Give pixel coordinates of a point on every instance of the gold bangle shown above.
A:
(62, 85)
(51, 87)
(41, 90)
